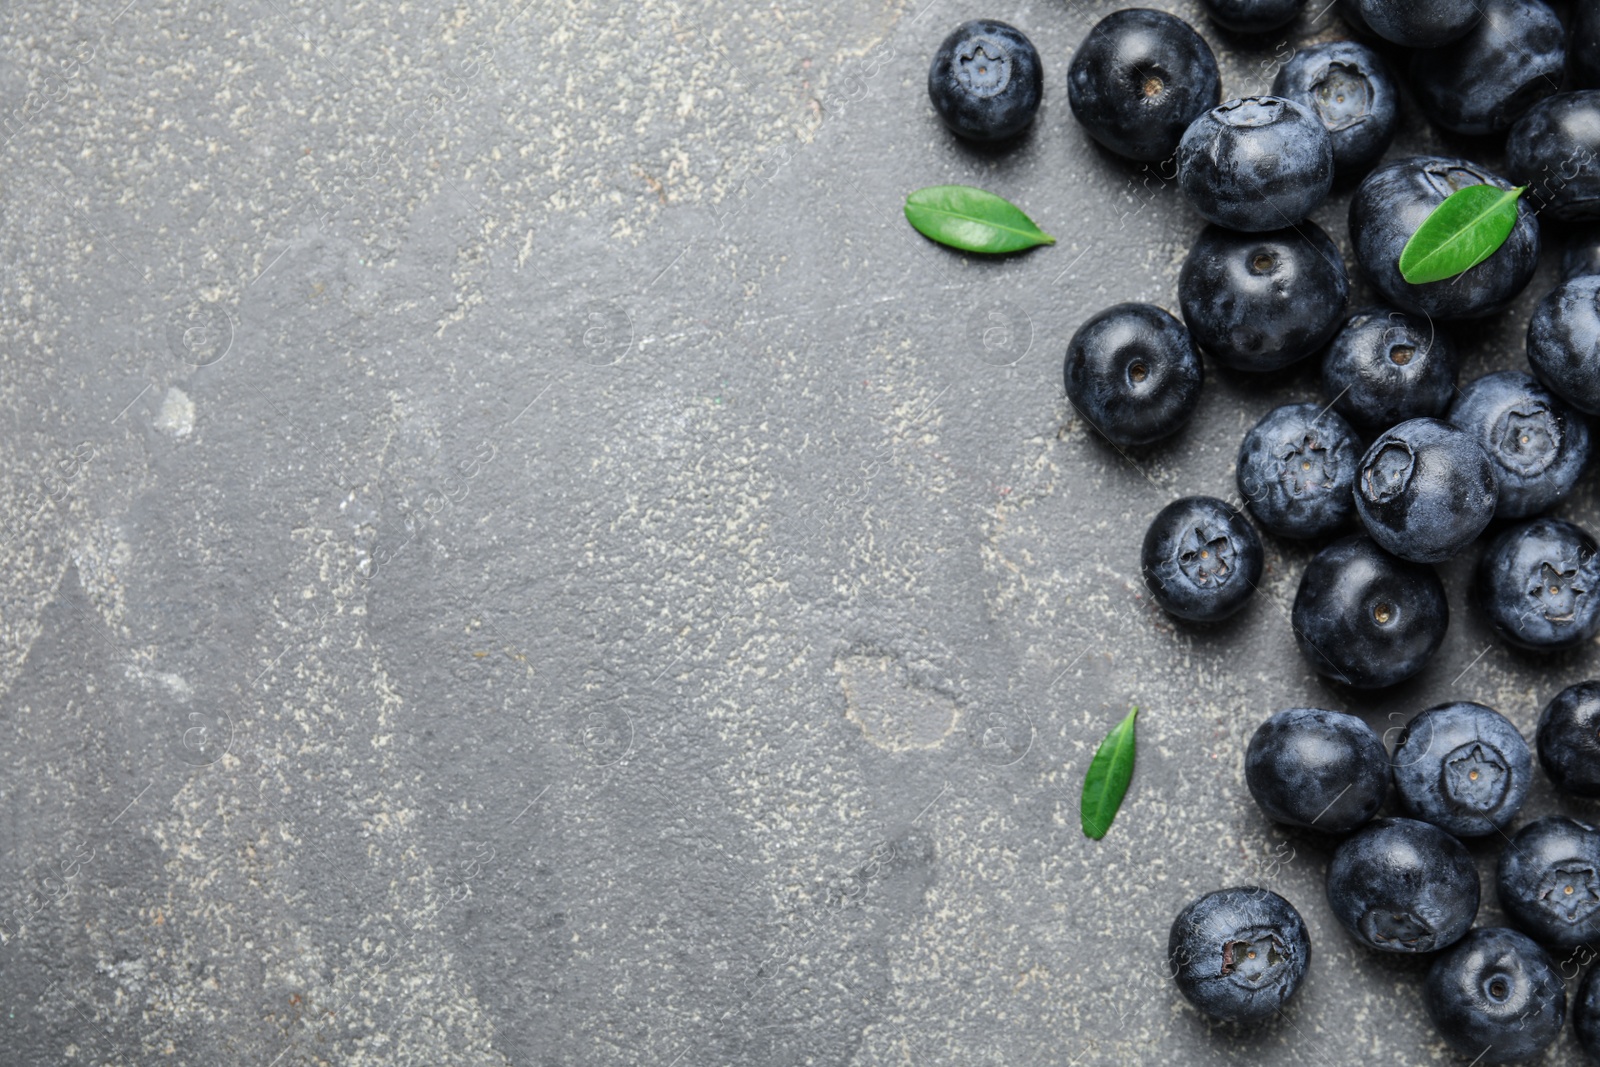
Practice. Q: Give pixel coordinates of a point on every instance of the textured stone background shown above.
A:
(517, 555)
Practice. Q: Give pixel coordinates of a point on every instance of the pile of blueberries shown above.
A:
(1419, 465)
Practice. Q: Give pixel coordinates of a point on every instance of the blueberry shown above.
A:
(1496, 997)
(1349, 87)
(1396, 199)
(1538, 444)
(1419, 23)
(1549, 881)
(1581, 254)
(1365, 618)
(1320, 769)
(1252, 16)
(1261, 163)
(1137, 81)
(1201, 559)
(1504, 65)
(1568, 739)
(1584, 48)
(1564, 342)
(1239, 954)
(1133, 373)
(1555, 150)
(1261, 301)
(1426, 490)
(1296, 469)
(1385, 367)
(1399, 885)
(1462, 767)
(1586, 1010)
(1539, 583)
(986, 80)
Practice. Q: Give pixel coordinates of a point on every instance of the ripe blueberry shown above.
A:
(1137, 81)
(1564, 342)
(1201, 559)
(986, 80)
(1296, 469)
(1549, 881)
(1133, 373)
(1425, 490)
(1483, 82)
(1555, 150)
(1496, 997)
(1394, 201)
(1320, 769)
(1349, 87)
(1539, 583)
(1399, 885)
(1260, 163)
(1568, 739)
(1261, 301)
(1537, 443)
(1419, 23)
(1584, 49)
(1586, 1007)
(1252, 16)
(1462, 767)
(1385, 367)
(1239, 954)
(1366, 618)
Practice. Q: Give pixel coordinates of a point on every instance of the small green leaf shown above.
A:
(972, 220)
(1107, 781)
(1468, 228)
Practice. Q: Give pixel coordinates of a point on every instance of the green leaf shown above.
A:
(1107, 781)
(972, 220)
(1468, 228)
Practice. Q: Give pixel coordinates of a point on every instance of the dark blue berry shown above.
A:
(1261, 301)
(1539, 583)
(1496, 997)
(986, 80)
(1425, 490)
(1201, 559)
(1581, 254)
(1320, 769)
(1133, 373)
(1139, 79)
(1386, 366)
(1261, 163)
(1539, 445)
(1555, 151)
(1568, 739)
(1349, 87)
(1366, 618)
(1564, 342)
(1584, 48)
(1296, 469)
(1239, 954)
(1396, 199)
(1549, 881)
(1586, 1006)
(1252, 16)
(1483, 82)
(1462, 767)
(1399, 885)
(1419, 23)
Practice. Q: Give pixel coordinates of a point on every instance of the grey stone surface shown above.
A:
(516, 555)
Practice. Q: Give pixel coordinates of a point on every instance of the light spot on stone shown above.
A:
(177, 413)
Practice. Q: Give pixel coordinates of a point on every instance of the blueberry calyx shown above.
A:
(1343, 97)
(1400, 928)
(1390, 471)
(1527, 438)
(983, 66)
(1251, 111)
(1252, 955)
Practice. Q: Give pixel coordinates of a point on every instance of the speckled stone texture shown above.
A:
(516, 554)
